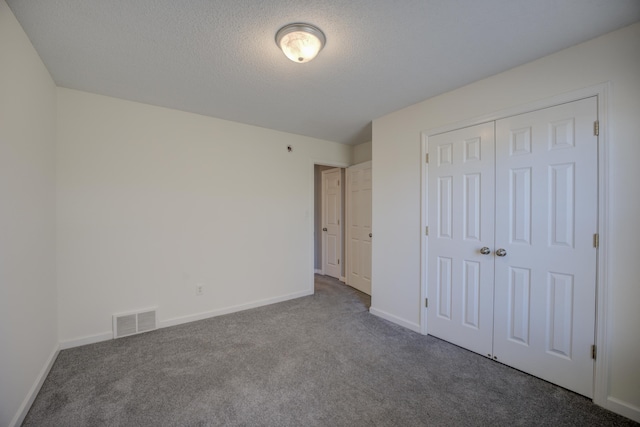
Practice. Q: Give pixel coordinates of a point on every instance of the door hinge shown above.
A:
(426, 231)
(426, 158)
(338, 262)
(594, 352)
(596, 128)
(338, 183)
(596, 240)
(426, 303)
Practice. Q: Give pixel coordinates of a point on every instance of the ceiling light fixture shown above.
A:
(300, 42)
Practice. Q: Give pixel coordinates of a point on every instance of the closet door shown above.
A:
(546, 216)
(461, 237)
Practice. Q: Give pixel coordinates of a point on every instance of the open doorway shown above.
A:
(329, 231)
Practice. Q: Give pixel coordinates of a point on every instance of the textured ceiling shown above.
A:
(219, 58)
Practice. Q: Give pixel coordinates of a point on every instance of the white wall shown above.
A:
(615, 58)
(28, 335)
(361, 153)
(153, 201)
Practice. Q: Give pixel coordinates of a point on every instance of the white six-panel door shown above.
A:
(331, 228)
(546, 216)
(460, 276)
(529, 302)
(359, 231)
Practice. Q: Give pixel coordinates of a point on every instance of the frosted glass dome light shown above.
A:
(300, 42)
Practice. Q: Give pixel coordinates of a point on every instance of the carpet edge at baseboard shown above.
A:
(105, 336)
(35, 389)
(415, 327)
(233, 309)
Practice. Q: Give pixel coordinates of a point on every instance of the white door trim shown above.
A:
(602, 91)
(325, 224)
(310, 214)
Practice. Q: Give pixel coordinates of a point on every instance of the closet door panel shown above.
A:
(546, 215)
(460, 277)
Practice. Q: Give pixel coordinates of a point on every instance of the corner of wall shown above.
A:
(361, 153)
(27, 170)
(35, 389)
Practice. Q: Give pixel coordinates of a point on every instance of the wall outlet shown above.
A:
(199, 289)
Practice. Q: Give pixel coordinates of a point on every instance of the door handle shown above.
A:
(370, 234)
(501, 252)
(324, 229)
(485, 251)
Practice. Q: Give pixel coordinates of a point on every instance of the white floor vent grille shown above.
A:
(134, 323)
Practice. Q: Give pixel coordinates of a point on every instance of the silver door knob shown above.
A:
(485, 251)
(324, 229)
(501, 252)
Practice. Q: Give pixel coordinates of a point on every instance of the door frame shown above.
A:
(341, 221)
(310, 216)
(602, 91)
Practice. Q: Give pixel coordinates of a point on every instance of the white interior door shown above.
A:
(546, 211)
(331, 218)
(541, 269)
(359, 231)
(460, 273)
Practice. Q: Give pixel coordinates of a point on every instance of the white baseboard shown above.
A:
(317, 271)
(395, 319)
(35, 389)
(91, 339)
(105, 336)
(227, 310)
(343, 279)
(623, 408)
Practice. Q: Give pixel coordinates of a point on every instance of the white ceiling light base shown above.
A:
(300, 42)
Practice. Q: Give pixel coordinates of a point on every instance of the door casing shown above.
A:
(309, 215)
(334, 223)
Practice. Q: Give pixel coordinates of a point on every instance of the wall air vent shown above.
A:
(126, 324)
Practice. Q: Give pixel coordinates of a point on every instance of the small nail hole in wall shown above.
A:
(289, 148)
